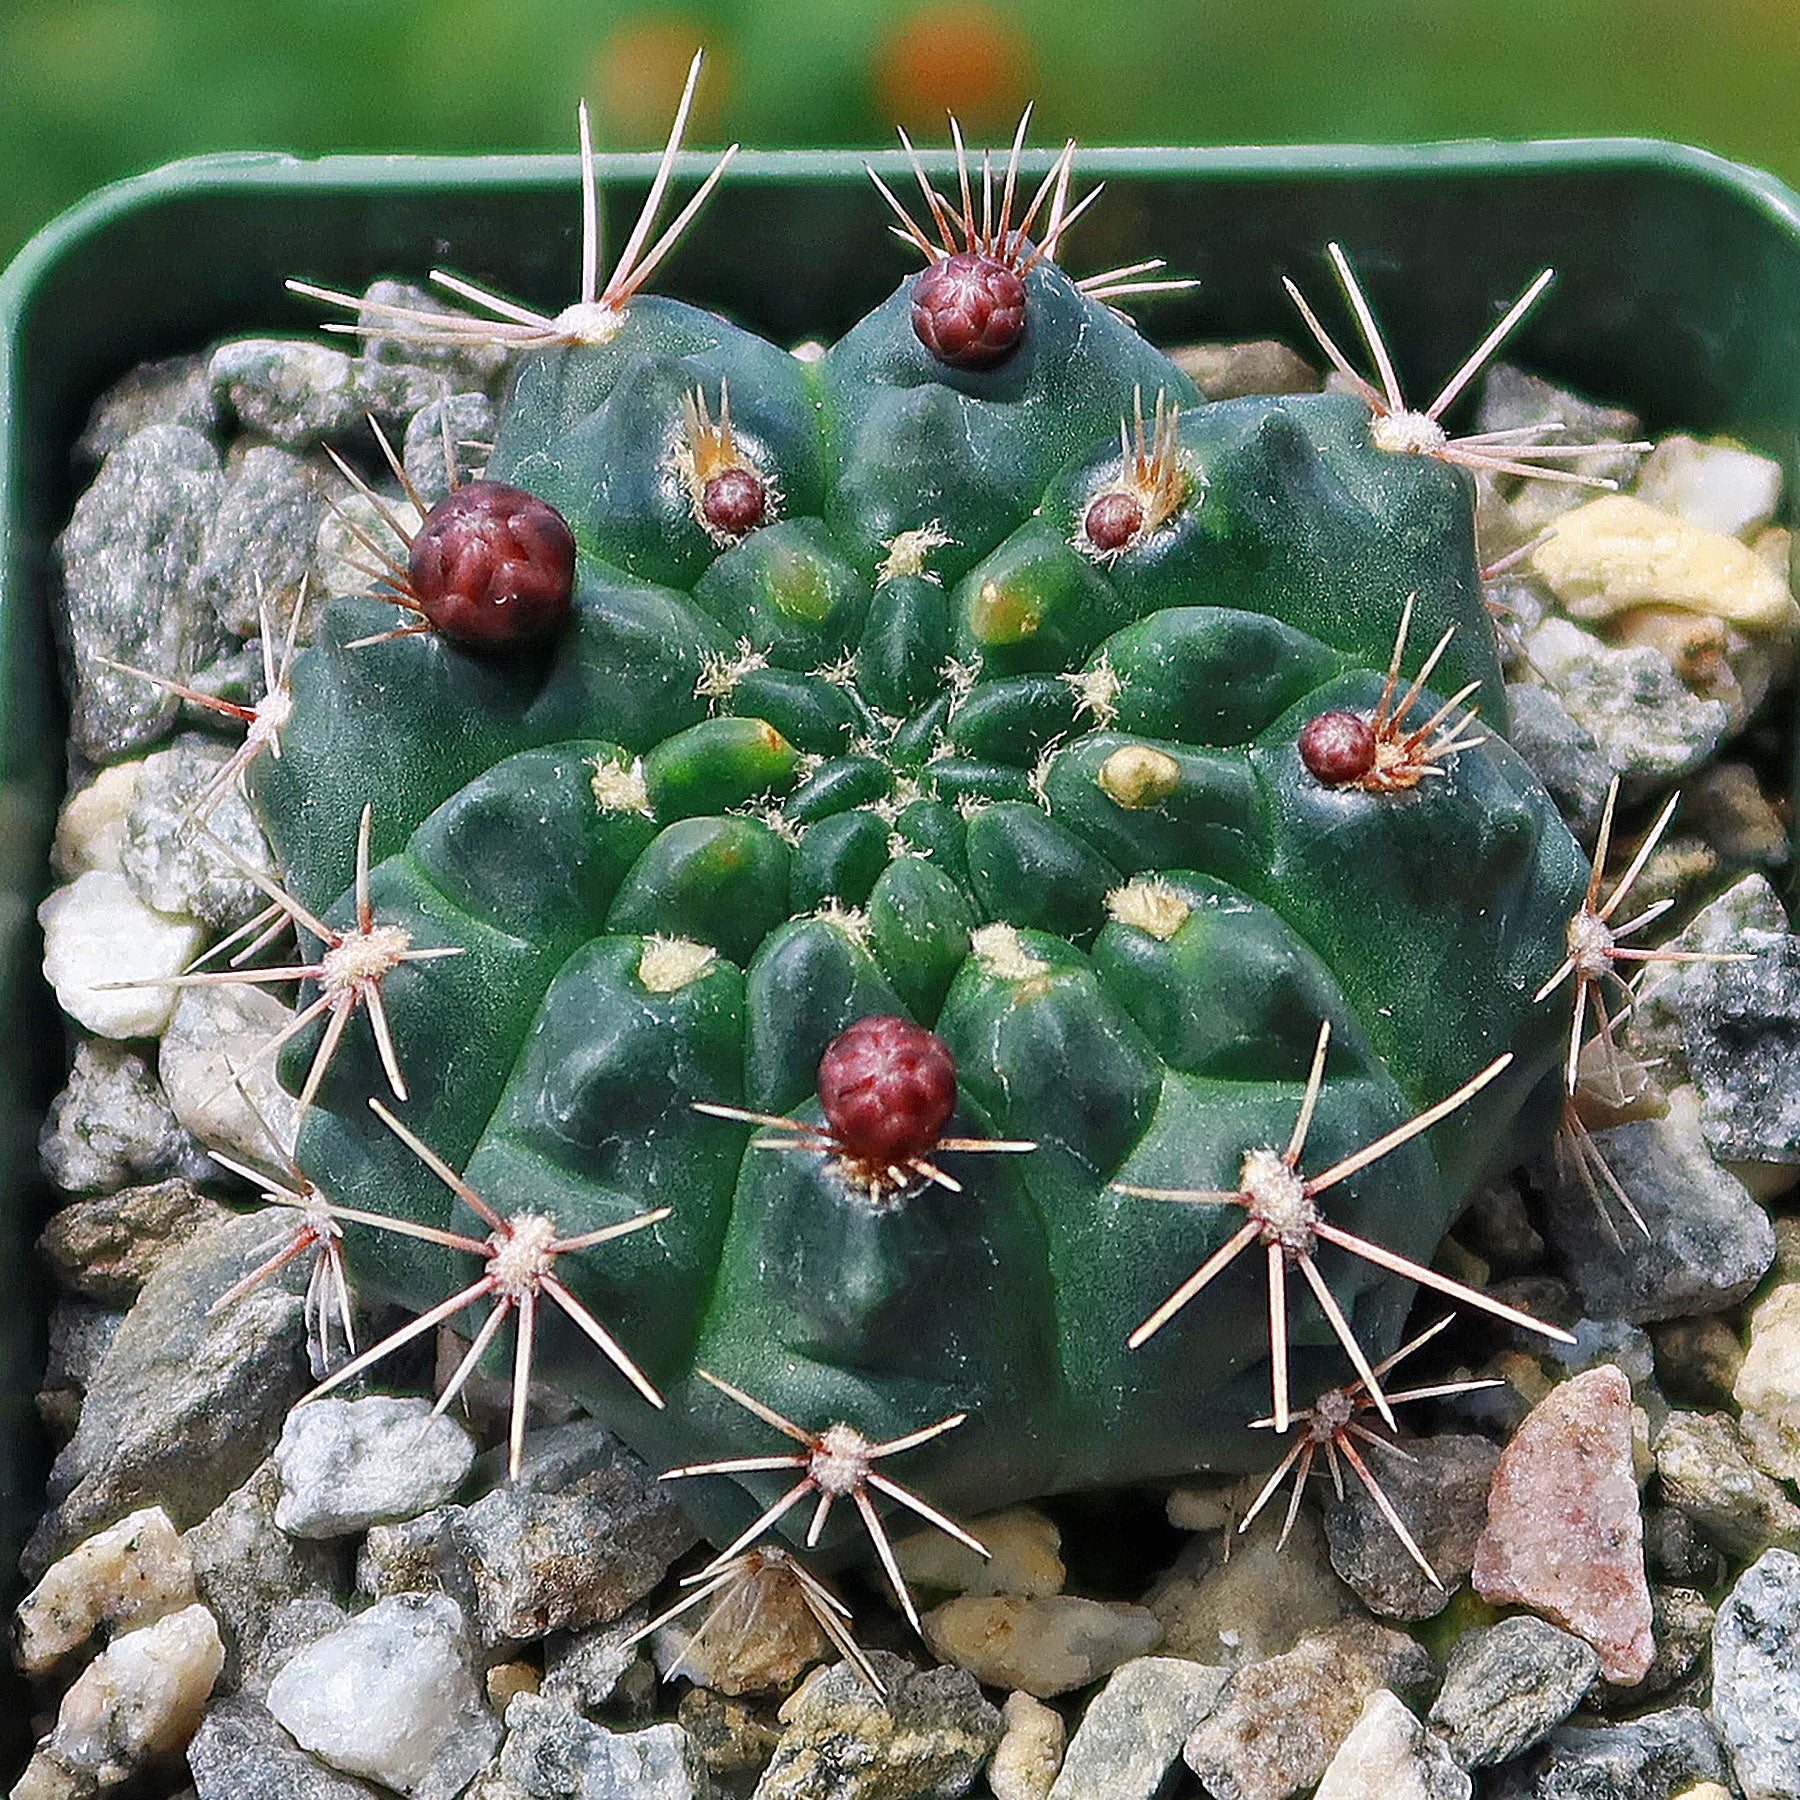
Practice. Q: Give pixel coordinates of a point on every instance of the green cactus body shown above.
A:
(738, 806)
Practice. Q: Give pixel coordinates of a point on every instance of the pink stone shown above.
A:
(1564, 1536)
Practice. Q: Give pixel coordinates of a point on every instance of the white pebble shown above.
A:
(1023, 1556)
(1046, 1646)
(96, 930)
(394, 1697)
(142, 1697)
(1617, 553)
(90, 829)
(208, 1062)
(348, 1464)
(1030, 1752)
(1389, 1755)
(1715, 486)
(133, 1573)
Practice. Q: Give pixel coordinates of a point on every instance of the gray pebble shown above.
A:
(176, 391)
(106, 1246)
(1561, 754)
(128, 557)
(1756, 1676)
(473, 423)
(1736, 1024)
(80, 1336)
(294, 1626)
(1652, 1758)
(348, 1464)
(1708, 1473)
(552, 1753)
(405, 375)
(173, 865)
(583, 1533)
(1705, 1242)
(1511, 397)
(187, 1402)
(112, 1126)
(288, 389)
(925, 1741)
(260, 540)
(1674, 1550)
(1645, 723)
(1441, 1495)
(585, 1669)
(1681, 1621)
(403, 1558)
(240, 1753)
(1498, 1228)
(1280, 1721)
(221, 1083)
(248, 1572)
(1506, 1688)
(1131, 1735)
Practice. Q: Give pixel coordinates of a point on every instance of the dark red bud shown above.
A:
(1114, 520)
(887, 1087)
(494, 567)
(969, 310)
(1338, 747)
(733, 502)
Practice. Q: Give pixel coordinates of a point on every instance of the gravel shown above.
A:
(1439, 1487)
(1508, 1686)
(1132, 1732)
(348, 1464)
(106, 1246)
(288, 389)
(583, 1533)
(552, 1753)
(129, 555)
(840, 1741)
(432, 1729)
(1652, 1758)
(186, 1402)
(249, 1572)
(259, 543)
(1735, 1025)
(1756, 1676)
(1045, 1647)
(1280, 1721)
(112, 1126)
(1705, 1242)
(240, 1753)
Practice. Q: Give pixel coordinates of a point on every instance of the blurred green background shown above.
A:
(95, 89)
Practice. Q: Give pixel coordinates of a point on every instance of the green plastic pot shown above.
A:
(1678, 292)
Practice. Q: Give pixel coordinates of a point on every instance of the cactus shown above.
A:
(1093, 757)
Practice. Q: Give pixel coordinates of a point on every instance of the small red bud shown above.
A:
(733, 502)
(1114, 520)
(1338, 747)
(969, 310)
(493, 567)
(887, 1086)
